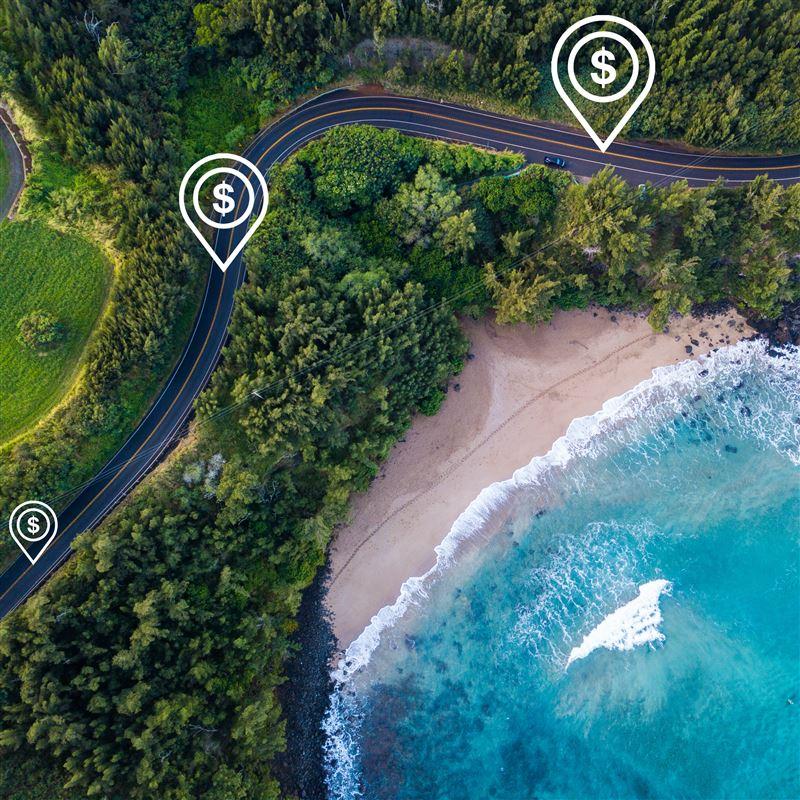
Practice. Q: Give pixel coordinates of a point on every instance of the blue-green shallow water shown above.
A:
(692, 479)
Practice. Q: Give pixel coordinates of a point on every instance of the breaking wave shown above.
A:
(634, 624)
(621, 419)
(625, 421)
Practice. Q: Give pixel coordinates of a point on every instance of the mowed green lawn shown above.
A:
(63, 274)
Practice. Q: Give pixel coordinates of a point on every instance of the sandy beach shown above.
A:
(516, 395)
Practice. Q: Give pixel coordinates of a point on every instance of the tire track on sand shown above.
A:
(454, 467)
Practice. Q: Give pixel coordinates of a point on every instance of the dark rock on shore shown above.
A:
(783, 330)
(706, 310)
(304, 696)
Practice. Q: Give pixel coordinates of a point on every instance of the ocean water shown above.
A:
(621, 619)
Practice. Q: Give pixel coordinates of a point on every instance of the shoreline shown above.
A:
(519, 391)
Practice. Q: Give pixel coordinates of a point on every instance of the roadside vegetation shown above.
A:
(225, 104)
(163, 642)
(151, 664)
(217, 113)
(729, 73)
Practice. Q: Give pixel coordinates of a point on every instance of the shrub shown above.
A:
(39, 330)
(432, 403)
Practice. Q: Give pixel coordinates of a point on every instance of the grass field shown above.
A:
(63, 274)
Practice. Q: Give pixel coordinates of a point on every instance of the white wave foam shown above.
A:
(633, 624)
(650, 402)
(579, 577)
(659, 398)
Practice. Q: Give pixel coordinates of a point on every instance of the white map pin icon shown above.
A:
(33, 526)
(241, 217)
(651, 72)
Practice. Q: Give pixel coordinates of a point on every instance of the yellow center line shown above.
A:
(509, 132)
(171, 405)
(359, 110)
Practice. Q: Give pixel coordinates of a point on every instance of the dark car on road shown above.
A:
(555, 161)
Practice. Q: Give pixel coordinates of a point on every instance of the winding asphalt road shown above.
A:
(16, 170)
(166, 420)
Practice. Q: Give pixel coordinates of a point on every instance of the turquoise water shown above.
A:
(631, 631)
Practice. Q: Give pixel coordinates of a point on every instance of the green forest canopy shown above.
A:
(150, 665)
(727, 71)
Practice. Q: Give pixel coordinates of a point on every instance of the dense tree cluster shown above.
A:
(728, 72)
(664, 248)
(149, 666)
(39, 330)
(94, 88)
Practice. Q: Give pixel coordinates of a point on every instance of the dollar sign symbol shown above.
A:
(33, 526)
(599, 61)
(222, 193)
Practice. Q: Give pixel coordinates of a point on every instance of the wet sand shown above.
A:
(514, 398)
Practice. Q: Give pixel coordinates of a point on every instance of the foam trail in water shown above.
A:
(633, 624)
(670, 392)
(649, 403)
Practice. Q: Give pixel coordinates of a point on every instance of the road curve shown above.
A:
(166, 420)
(16, 166)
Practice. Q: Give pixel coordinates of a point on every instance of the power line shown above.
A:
(114, 467)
